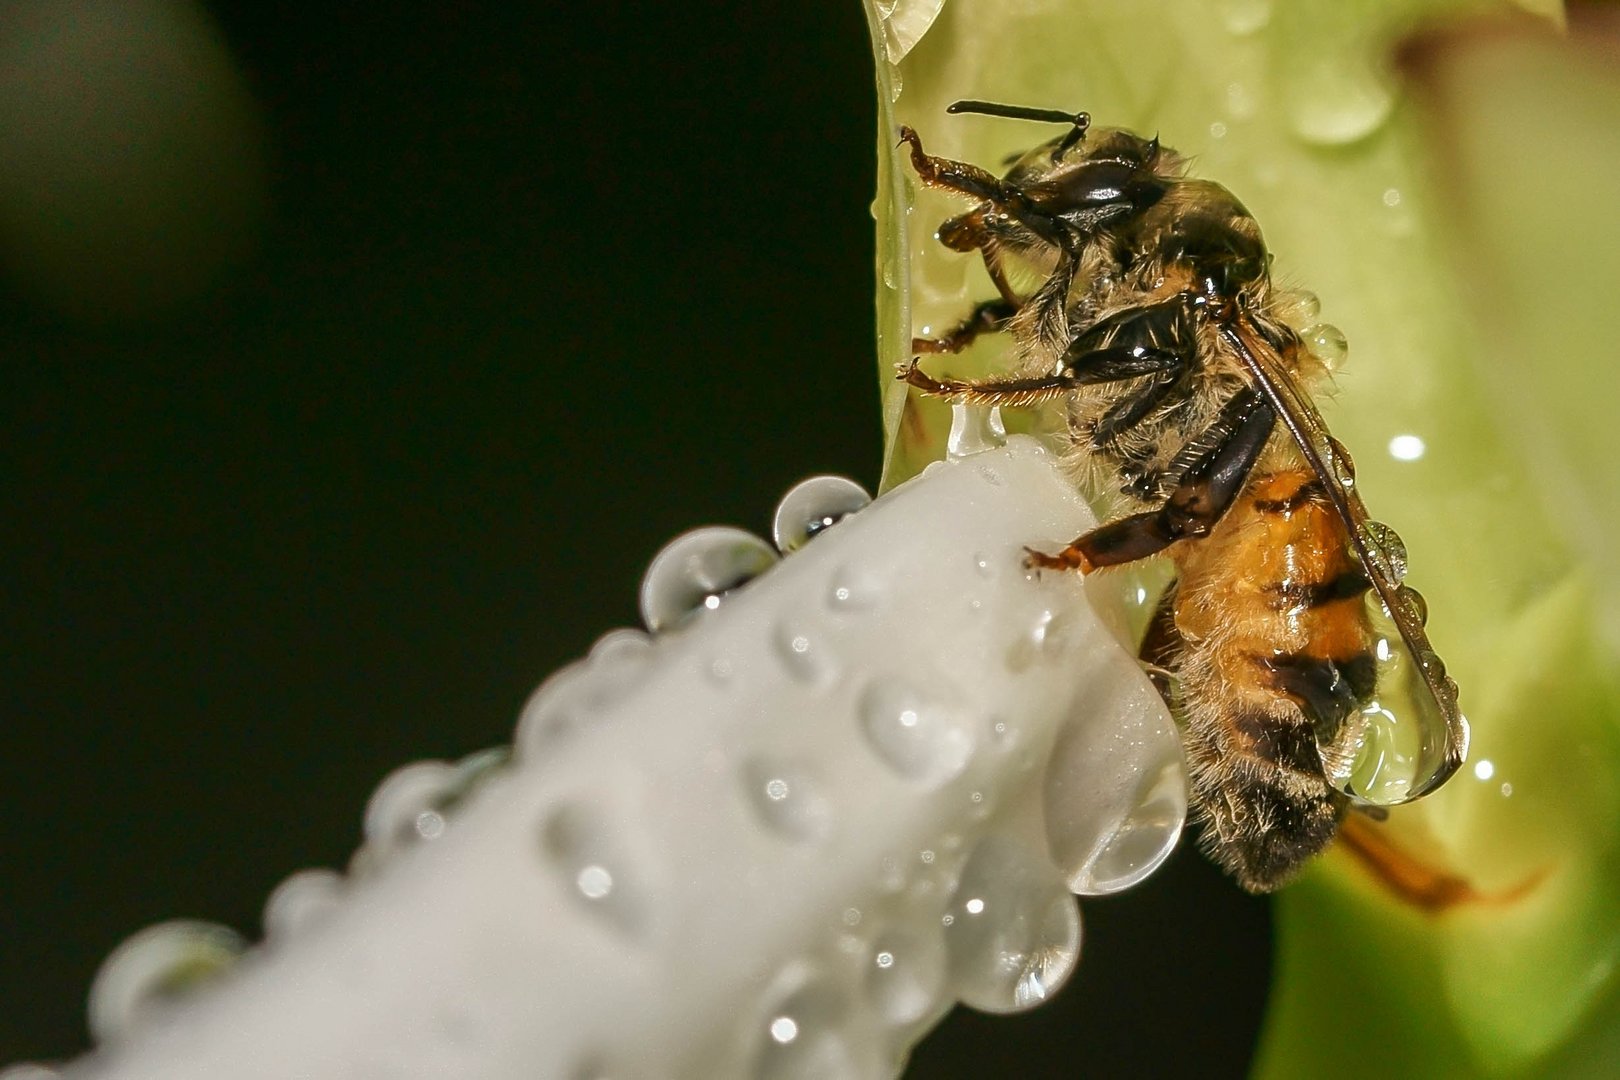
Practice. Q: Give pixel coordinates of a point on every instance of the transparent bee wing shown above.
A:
(1410, 736)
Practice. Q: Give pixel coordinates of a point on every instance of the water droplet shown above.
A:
(1484, 769)
(1386, 550)
(853, 589)
(904, 24)
(973, 431)
(812, 506)
(1217, 130)
(301, 901)
(1244, 17)
(153, 967)
(913, 734)
(1334, 95)
(1115, 795)
(1048, 637)
(1307, 308)
(591, 866)
(1014, 931)
(1327, 344)
(805, 1038)
(1398, 746)
(411, 793)
(1416, 605)
(1342, 465)
(1392, 196)
(1240, 101)
(906, 977)
(788, 797)
(983, 566)
(800, 653)
(695, 570)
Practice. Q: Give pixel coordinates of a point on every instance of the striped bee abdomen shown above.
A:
(1275, 655)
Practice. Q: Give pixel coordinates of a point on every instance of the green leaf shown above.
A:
(1454, 230)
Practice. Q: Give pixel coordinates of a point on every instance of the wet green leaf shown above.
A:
(1457, 231)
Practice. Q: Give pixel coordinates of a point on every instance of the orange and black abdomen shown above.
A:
(1274, 653)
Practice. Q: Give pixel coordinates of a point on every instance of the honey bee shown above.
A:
(1293, 657)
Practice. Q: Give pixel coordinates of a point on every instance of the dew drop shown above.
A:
(695, 570)
(853, 589)
(156, 966)
(914, 734)
(906, 976)
(974, 430)
(1417, 607)
(1335, 96)
(1014, 931)
(805, 1037)
(1392, 197)
(299, 902)
(1327, 344)
(812, 506)
(1385, 549)
(801, 654)
(1217, 130)
(591, 867)
(402, 808)
(1307, 307)
(1341, 463)
(787, 797)
(1115, 796)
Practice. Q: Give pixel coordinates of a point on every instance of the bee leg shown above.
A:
(1195, 505)
(987, 318)
(1161, 644)
(1102, 366)
(967, 179)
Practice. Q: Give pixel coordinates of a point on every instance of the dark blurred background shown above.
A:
(355, 364)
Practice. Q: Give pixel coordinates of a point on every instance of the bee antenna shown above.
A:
(1078, 122)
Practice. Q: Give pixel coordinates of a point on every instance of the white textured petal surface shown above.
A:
(777, 841)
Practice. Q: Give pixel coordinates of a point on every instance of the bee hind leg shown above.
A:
(1198, 501)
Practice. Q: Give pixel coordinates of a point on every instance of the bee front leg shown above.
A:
(1204, 494)
(988, 317)
(966, 179)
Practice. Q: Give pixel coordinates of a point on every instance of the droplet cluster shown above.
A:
(961, 830)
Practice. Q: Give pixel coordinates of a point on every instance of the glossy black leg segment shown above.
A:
(988, 317)
(1192, 510)
(971, 180)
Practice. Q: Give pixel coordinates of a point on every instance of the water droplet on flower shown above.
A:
(695, 570)
(812, 506)
(974, 430)
(590, 866)
(1014, 931)
(914, 734)
(804, 659)
(1406, 447)
(155, 966)
(787, 797)
(805, 1038)
(301, 901)
(1115, 796)
(906, 978)
(401, 808)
